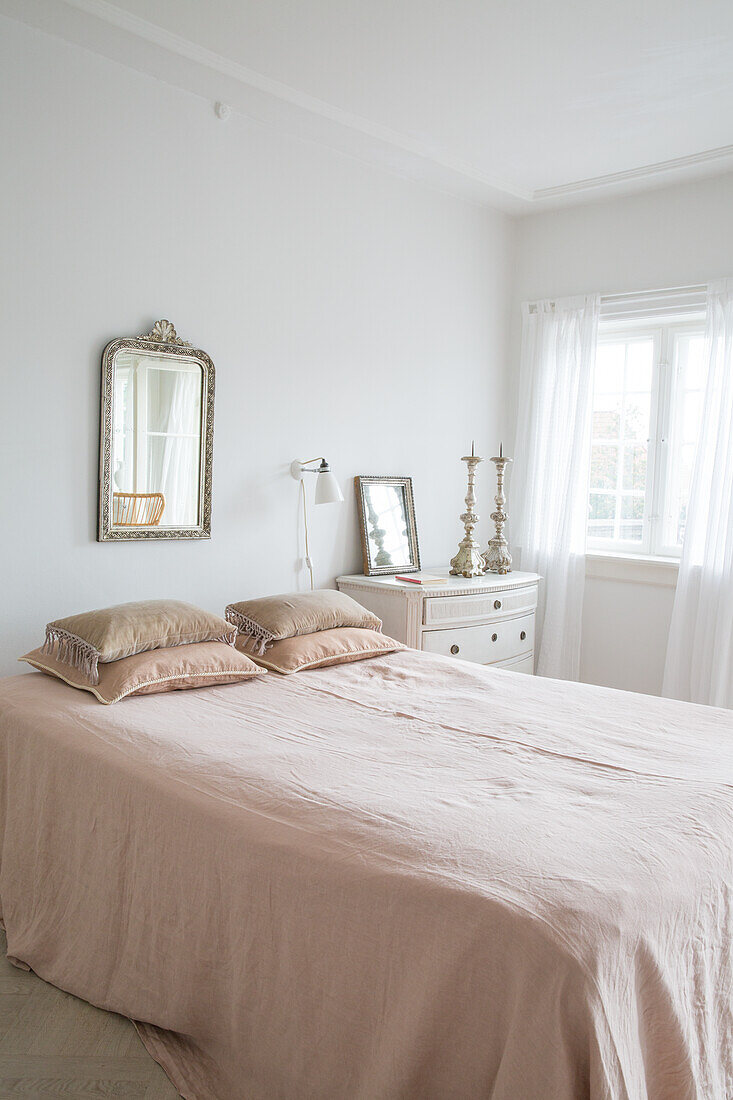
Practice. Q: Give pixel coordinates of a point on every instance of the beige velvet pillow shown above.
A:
(326, 647)
(202, 664)
(272, 618)
(111, 633)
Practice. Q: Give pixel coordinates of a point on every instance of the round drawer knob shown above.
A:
(523, 635)
(497, 605)
(455, 649)
(494, 637)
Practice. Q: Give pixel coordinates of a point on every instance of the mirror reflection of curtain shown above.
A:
(174, 419)
(123, 443)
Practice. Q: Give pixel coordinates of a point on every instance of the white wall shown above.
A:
(348, 313)
(665, 238)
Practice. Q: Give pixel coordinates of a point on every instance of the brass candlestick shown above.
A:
(468, 562)
(497, 558)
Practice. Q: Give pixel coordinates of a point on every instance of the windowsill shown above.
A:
(635, 568)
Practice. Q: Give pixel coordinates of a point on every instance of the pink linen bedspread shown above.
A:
(404, 878)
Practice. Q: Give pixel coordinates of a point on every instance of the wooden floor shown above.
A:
(52, 1044)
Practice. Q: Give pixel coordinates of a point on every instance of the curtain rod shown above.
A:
(698, 288)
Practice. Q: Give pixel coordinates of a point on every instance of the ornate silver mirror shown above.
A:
(387, 524)
(156, 438)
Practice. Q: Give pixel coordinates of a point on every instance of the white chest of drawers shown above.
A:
(487, 619)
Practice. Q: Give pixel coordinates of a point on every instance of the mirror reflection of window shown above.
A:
(157, 433)
(387, 525)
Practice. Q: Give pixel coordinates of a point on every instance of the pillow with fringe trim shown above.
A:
(272, 618)
(99, 637)
(202, 664)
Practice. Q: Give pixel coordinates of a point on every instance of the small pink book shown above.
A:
(421, 578)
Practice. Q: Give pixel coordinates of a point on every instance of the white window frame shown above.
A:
(665, 377)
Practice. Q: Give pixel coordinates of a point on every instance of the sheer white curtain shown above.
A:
(173, 455)
(700, 651)
(550, 478)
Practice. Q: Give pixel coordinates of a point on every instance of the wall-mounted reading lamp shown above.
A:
(327, 492)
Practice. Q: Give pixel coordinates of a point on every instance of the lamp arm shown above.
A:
(307, 461)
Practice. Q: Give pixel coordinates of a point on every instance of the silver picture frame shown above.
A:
(377, 557)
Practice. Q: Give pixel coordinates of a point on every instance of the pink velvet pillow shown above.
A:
(322, 648)
(270, 619)
(201, 664)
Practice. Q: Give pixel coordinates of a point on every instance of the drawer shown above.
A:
(485, 644)
(445, 610)
(519, 664)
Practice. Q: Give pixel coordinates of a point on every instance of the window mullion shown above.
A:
(653, 447)
(662, 390)
(621, 446)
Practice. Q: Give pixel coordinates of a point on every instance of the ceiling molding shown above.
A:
(645, 172)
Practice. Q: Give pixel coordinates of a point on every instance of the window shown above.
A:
(647, 403)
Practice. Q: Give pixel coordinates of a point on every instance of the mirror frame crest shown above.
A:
(161, 340)
(371, 570)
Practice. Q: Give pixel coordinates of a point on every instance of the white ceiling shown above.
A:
(512, 102)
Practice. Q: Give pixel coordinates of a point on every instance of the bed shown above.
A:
(408, 877)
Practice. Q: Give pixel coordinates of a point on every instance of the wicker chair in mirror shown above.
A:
(137, 509)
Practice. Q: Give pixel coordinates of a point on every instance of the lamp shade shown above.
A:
(327, 488)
